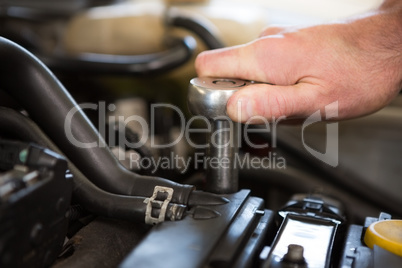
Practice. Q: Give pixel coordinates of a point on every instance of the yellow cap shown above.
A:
(386, 234)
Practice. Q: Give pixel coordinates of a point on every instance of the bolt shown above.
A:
(294, 254)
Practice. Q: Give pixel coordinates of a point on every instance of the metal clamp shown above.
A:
(152, 203)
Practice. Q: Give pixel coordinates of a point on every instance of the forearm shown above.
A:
(391, 4)
(378, 34)
(392, 10)
(388, 32)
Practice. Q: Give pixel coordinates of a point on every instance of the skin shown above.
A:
(357, 62)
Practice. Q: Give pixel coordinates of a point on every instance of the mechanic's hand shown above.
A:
(357, 63)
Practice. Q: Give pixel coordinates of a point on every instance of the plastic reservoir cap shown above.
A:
(386, 234)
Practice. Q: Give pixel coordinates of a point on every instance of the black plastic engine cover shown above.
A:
(229, 235)
(35, 193)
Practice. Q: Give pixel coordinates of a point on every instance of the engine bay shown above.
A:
(113, 153)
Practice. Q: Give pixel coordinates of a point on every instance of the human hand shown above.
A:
(357, 63)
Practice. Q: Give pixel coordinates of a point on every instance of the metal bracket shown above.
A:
(152, 203)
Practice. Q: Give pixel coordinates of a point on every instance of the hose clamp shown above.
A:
(159, 204)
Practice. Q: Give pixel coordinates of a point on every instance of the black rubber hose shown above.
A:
(93, 199)
(48, 103)
(179, 52)
(197, 25)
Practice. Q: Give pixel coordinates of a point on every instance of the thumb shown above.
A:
(259, 102)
